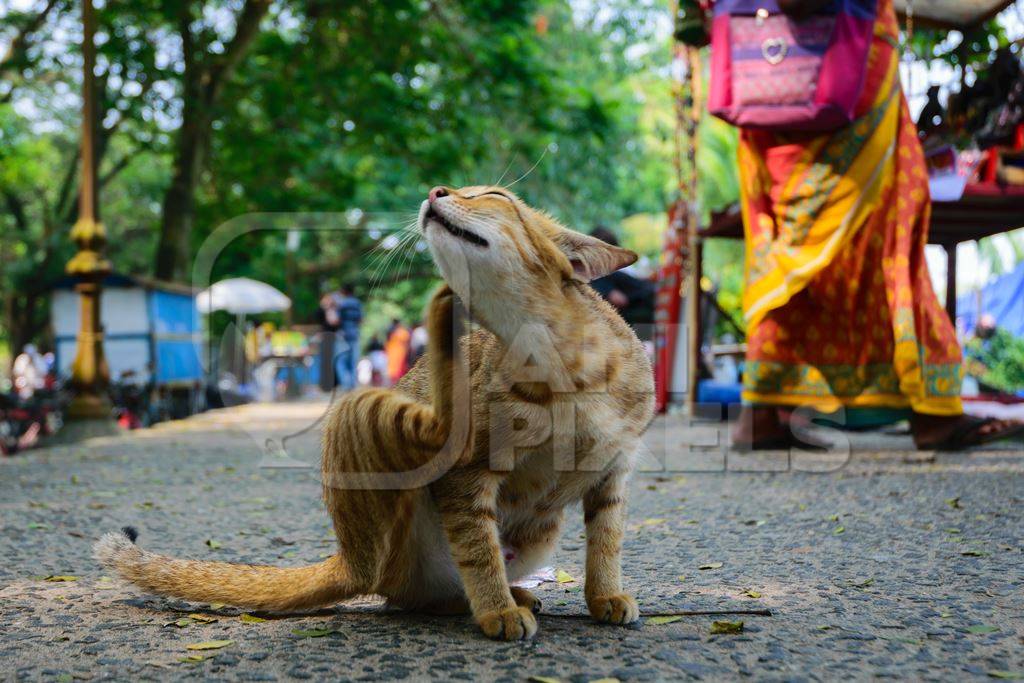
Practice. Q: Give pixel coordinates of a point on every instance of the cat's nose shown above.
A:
(436, 192)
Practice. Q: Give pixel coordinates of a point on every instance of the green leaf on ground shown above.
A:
(653, 521)
(659, 621)
(751, 593)
(213, 544)
(314, 632)
(217, 605)
(562, 576)
(833, 518)
(726, 627)
(209, 645)
(184, 622)
(192, 659)
(1006, 675)
(982, 628)
(58, 578)
(250, 619)
(711, 565)
(907, 641)
(954, 503)
(39, 525)
(953, 531)
(544, 679)
(838, 530)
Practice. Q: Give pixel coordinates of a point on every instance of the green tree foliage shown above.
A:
(998, 361)
(216, 109)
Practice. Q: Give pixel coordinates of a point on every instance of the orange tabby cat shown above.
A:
(452, 485)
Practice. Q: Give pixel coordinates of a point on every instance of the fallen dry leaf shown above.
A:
(204, 618)
(658, 621)
(726, 627)
(314, 632)
(209, 645)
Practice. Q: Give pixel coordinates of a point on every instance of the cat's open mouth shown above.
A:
(461, 233)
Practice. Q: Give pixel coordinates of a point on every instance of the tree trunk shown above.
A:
(172, 254)
(205, 76)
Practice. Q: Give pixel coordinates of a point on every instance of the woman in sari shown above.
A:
(838, 303)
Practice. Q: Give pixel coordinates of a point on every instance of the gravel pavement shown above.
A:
(895, 564)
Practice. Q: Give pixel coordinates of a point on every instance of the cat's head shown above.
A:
(505, 259)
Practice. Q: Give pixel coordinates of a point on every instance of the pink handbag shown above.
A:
(772, 72)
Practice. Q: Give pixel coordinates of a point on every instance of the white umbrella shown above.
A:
(242, 296)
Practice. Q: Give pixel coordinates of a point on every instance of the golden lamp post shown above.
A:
(89, 373)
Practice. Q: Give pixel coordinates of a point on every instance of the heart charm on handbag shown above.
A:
(774, 50)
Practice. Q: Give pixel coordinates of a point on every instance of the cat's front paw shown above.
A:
(614, 609)
(515, 623)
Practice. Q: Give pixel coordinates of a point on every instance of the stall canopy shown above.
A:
(952, 14)
(1003, 298)
(242, 296)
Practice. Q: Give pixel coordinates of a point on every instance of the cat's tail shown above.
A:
(249, 586)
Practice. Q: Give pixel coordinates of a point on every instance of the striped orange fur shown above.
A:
(454, 484)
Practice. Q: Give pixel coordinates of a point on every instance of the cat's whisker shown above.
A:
(505, 172)
(392, 257)
(535, 165)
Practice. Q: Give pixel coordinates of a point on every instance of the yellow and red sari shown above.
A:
(839, 306)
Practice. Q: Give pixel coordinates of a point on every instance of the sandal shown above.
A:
(968, 433)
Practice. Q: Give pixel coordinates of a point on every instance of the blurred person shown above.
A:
(49, 370)
(397, 349)
(330, 322)
(378, 363)
(994, 358)
(350, 319)
(632, 296)
(28, 371)
(838, 302)
(417, 342)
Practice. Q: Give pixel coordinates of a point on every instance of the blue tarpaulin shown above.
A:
(1003, 298)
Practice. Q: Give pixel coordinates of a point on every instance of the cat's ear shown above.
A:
(590, 257)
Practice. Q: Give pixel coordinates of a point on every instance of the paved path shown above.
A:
(895, 565)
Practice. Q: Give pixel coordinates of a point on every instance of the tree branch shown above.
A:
(246, 30)
(20, 42)
(123, 162)
(16, 207)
